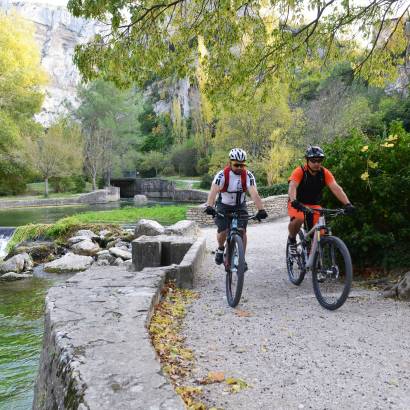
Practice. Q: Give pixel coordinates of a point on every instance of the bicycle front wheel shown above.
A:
(296, 264)
(235, 273)
(332, 273)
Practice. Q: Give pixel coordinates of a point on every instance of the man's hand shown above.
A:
(261, 214)
(349, 209)
(297, 205)
(210, 210)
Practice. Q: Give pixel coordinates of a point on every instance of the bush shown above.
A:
(375, 174)
(75, 184)
(206, 181)
(275, 189)
(184, 159)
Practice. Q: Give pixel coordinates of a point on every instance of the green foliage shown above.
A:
(239, 44)
(275, 189)
(154, 162)
(206, 181)
(184, 158)
(75, 184)
(111, 129)
(20, 80)
(58, 151)
(374, 173)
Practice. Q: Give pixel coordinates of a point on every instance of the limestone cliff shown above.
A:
(57, 33)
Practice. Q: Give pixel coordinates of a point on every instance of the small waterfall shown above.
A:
(5, 235)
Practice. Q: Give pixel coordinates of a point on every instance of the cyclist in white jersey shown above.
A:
(231, 184)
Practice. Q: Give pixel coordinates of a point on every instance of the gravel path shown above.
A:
(293, 353)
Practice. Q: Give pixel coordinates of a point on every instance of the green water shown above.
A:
(21, 333)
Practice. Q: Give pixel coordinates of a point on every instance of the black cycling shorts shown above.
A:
(223, 223)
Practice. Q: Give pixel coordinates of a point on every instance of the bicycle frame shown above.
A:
(315, 233)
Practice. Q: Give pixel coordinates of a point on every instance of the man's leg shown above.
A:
(219, 254)
(294, 227)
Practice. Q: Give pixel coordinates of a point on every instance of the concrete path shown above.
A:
(294, 353)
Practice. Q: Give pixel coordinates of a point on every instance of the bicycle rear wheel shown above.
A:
(332, 273)
(296, 265)
(235, 273)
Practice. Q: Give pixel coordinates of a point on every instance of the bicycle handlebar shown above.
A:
(248, 217)
(322, 211)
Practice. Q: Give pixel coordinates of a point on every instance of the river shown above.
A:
(49, 214)
(21, 333)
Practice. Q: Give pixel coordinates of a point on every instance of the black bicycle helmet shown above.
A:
(314, 152)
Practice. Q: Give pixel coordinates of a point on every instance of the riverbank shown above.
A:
(100, 196)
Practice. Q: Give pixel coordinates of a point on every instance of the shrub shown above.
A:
(206, 181)
(275, 189)
(184, 159)
(375, 174)
(75, 184)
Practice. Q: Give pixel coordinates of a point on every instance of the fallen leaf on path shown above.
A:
(213, 377)
(242, 313)
(236, 385)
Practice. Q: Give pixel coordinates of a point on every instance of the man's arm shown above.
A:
(339, 193)
(293, 185)
(253, 192)
(212, 195)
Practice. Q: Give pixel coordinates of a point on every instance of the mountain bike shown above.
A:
(234, 256)
(326, 256)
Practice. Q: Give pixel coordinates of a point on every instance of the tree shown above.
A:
(247, 42)
(58, 151)
(20, 99)
(109, 119)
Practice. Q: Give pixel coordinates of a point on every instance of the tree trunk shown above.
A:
(46, 187)
(94, 183)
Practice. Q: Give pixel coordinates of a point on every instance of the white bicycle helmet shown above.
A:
(237, 154)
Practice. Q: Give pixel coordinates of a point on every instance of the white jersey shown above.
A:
(234, 187)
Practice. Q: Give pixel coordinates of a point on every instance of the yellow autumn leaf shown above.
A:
(372, 164)
(216, 377)
(387, 145)
(365, 148)
(392, 138)
(364, 176)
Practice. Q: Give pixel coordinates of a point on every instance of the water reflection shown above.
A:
(50, 214)
(21, 332)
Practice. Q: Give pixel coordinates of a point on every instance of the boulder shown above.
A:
(17, 263)
(102, 262)
(38, 250)
(76, 239)
(105, 255)
(185, 227)
(86, 247)
(10, 276)
(86, 232)
(120, 253)
(69, 263)
(104, 233)
(118, 262)
(148, 227)
(140, 200)
(403, 287)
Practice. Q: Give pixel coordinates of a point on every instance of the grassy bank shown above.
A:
(98, 220)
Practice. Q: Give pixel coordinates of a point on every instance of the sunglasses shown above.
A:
(238, 165)
(316, 160)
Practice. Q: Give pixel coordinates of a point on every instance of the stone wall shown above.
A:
(100, 196)
(276, 206)
(190, 195)
(97, 352)
(155, 187)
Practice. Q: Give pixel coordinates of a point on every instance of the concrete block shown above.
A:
(146, 252)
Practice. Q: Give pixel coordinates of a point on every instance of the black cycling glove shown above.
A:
(297, 205)
(261, 214)
(349, 209)
(210, 210)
